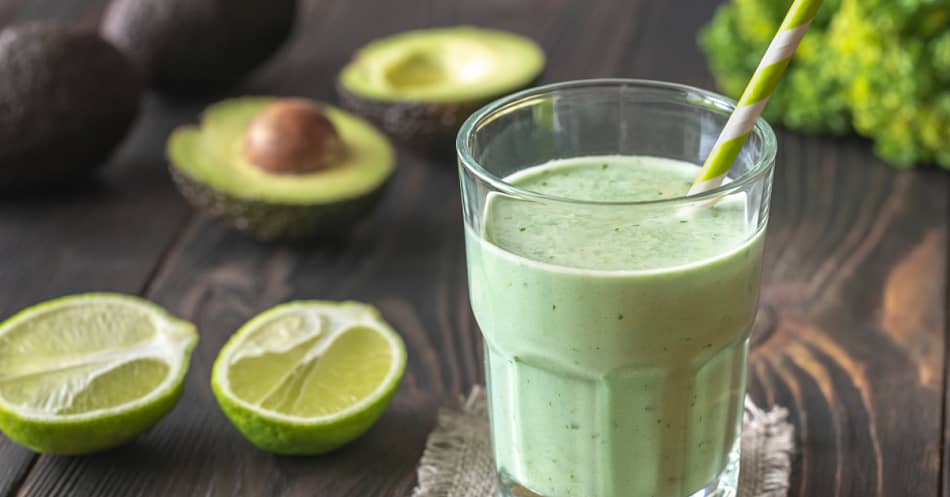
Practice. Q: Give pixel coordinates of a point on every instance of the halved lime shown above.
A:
(307, 377)
(88, 372)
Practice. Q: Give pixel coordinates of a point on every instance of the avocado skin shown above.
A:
(68, 98)
(427, 127)
(191, 48)
(270, 221)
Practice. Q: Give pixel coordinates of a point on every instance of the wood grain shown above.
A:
(850, 336)
(856, 286)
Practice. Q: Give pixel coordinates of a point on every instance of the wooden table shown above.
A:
(851, 335)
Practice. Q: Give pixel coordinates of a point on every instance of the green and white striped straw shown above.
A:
(756, 95)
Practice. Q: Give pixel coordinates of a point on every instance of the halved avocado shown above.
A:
(421, 85)
(212, 167)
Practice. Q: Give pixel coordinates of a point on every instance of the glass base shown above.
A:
(726, 484)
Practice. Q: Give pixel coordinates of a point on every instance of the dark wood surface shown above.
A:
(851, 335)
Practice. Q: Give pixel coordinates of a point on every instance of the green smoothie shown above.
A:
(616, 336)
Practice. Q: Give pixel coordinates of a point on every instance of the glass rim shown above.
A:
(464, 139)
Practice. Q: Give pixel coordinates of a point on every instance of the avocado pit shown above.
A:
(292, 136)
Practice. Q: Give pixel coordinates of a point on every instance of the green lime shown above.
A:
(88, 372)
(307, 377)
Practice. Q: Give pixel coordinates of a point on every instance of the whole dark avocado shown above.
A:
(198, 47)
(67, 97)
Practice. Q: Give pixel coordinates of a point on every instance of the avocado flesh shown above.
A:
(209, 169)
(421, 85)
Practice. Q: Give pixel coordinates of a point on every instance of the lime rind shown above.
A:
(76, 436)
(104, 428)
(300, 438)
(288, 434)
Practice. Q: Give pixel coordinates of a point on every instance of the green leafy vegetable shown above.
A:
(879, 67)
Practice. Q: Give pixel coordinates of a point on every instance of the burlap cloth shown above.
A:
(457, 461)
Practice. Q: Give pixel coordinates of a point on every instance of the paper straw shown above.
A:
(756, 95)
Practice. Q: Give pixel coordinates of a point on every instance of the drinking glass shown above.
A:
(620, 380)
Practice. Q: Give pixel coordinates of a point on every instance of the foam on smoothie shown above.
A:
(617, 236)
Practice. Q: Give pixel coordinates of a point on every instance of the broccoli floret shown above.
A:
(892, 58)
(881, 67)
(810, 97)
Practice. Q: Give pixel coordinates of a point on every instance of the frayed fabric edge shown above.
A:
(771, 437)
